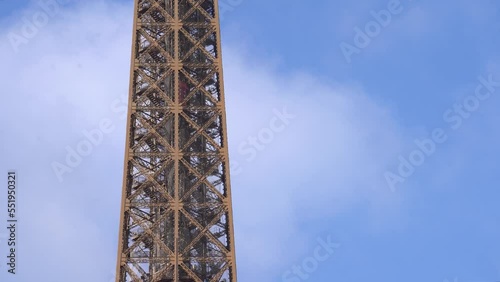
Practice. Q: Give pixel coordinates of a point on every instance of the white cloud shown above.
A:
(328, 160)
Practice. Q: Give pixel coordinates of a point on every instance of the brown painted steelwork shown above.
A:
(176, 219)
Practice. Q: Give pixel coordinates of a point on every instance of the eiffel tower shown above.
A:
(176, 216)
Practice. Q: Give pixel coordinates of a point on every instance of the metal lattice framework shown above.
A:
(176, 221)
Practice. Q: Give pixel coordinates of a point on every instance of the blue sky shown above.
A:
(323, 177)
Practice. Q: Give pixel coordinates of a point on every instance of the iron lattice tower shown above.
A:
(176, 218)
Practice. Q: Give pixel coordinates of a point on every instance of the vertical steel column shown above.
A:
(176, 217)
